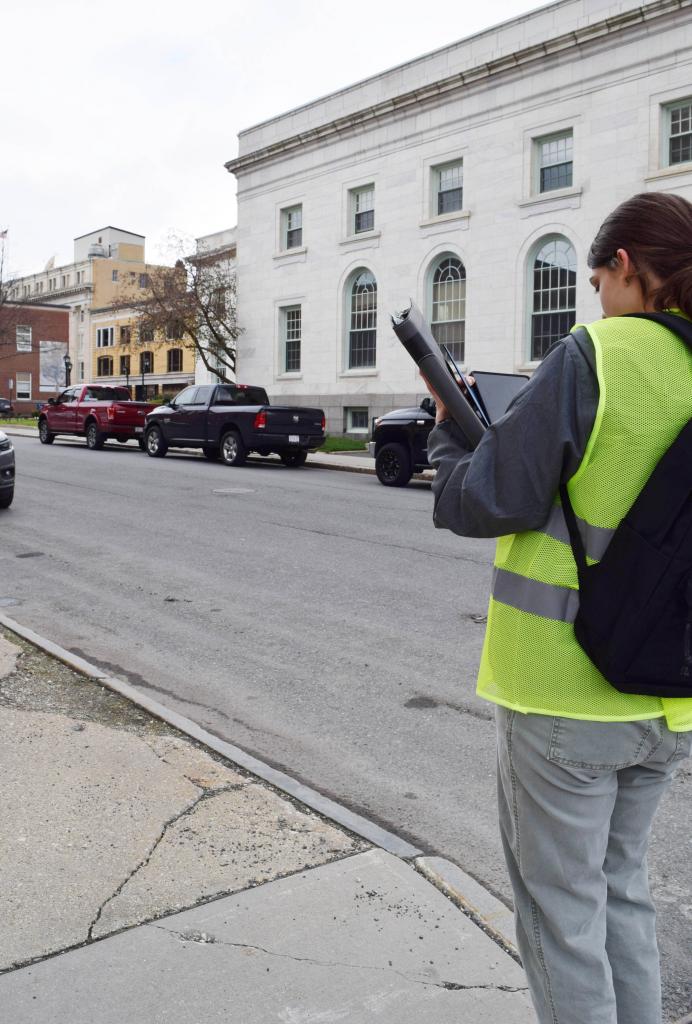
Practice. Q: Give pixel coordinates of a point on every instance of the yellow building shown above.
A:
(125, 351)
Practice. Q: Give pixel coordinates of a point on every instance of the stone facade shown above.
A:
(350, 184)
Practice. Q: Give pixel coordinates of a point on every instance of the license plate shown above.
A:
(294, 438)
(139, 430)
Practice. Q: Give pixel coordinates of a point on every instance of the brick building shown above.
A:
(34, 341)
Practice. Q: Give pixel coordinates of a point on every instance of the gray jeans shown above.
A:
(576, 804)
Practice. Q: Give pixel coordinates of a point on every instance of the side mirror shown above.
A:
(428, 405)
(52, 401)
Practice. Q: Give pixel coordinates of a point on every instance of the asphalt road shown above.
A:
(314, 618)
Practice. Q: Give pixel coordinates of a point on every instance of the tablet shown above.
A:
(498, 390)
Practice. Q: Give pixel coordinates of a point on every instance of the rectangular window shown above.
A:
(363, 209)
(356, 420)
(146, 334)
(81, 371)
(292, 333)
(80, 276)
(104, 366)
(114, 275)
(143, 280)
(104, 337)
(23, 390)
(292, 227)
(175, 360)
(51, 285)
(23, 338)
(125, 335)
(554, 159)
(125, 366)
(174, 330)
(146, 362)
(449, 190)
(63, 281)
(680, 133)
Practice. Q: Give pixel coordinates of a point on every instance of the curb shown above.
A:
(343, 466)
(474, 900)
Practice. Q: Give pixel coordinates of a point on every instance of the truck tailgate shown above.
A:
(129, 414)
(293, 420)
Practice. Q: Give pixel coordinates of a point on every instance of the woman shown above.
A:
(581, 766)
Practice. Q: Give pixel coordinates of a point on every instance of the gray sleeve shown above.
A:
(508, 484)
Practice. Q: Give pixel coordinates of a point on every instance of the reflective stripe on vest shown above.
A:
(527, 595)
(596, 538)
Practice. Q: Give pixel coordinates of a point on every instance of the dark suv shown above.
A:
(6, 471)
(6, 408)
(401, 443)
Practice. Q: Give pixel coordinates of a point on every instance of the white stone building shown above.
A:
(471, 179)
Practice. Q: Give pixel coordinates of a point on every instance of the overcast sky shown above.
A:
(125, 113)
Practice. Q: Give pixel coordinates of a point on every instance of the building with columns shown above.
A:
(471, 180)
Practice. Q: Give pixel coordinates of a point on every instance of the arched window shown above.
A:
(449, 304)
(553, 293)
(362, 327)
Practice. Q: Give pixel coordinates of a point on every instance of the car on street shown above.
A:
(94, 411)
(228, 421)
(6, 408)
(400, 443)
(6, 471)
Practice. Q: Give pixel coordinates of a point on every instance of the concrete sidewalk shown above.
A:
(147, 879)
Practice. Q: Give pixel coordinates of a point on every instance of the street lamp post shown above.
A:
(68, 369)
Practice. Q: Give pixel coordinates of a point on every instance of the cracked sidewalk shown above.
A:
(147, 879)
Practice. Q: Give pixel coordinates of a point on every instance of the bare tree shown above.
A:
(194, 302)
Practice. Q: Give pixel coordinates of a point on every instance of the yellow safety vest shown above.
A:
(531, 661)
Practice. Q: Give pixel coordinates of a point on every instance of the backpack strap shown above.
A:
(575, 538)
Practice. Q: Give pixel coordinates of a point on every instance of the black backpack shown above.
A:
(635, 605)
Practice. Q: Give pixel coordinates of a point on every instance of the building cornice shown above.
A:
(443, 87)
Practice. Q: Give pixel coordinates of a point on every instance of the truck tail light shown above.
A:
(260, 420)
(324, 422)
(110, 412)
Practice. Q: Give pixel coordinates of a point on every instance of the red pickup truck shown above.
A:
(96, 412)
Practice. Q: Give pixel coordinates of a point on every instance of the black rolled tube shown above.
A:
(415, 335)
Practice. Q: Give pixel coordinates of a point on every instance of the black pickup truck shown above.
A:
(400, 441)
(228, 421)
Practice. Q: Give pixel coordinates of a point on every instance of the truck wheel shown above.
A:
(294, 457)
(393, 465)
(95, 439)
(211, 453)
(155, 442)
(233, 450)
(44, 434)
(6, 498)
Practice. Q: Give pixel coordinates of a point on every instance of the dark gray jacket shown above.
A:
(510, 482)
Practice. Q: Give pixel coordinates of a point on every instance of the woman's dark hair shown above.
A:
(655, 228)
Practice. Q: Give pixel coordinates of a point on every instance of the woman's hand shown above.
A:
(441, 414)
